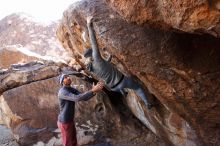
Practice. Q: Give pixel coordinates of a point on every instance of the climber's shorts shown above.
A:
(68, 133)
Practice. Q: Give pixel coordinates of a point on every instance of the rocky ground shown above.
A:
(6, 137)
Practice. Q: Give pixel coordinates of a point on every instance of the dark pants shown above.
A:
(130, 83)
(68, 133)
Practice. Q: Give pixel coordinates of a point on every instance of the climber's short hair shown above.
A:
(87, 53)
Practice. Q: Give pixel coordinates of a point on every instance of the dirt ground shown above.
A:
(6, 137)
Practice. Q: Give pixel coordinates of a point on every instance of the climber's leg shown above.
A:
(118, 89)
(130, 83)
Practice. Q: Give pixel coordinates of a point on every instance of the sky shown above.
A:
(42, 10)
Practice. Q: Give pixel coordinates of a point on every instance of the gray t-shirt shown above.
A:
(106, 71)
(67, 97)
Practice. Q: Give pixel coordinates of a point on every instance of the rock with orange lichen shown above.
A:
(179, 71)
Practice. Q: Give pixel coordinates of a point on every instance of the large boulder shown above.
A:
(200, 16)
(31, 110)
(9, 56)
(21, 74)
(6, 137)
(180, 71)
(26, 97)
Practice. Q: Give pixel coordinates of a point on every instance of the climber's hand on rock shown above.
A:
(98, 87)
(101, 83)
(89, 20)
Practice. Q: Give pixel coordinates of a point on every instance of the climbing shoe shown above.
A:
(149, 105)
(124, 93)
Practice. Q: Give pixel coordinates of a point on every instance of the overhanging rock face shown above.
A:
(181, 71)
(194, 16)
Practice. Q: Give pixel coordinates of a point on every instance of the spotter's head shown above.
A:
(65, 80)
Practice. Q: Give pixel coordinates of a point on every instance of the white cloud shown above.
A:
(44, 10)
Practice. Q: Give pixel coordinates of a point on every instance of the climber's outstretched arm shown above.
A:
(95, 50)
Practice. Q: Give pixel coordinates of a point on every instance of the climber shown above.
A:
(67, 96)
(105, 71)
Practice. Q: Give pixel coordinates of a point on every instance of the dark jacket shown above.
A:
(67, 97)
